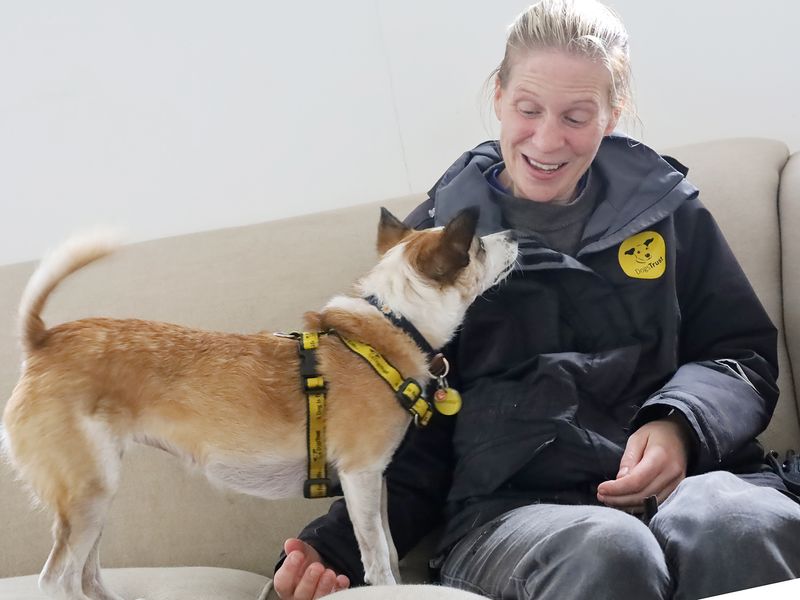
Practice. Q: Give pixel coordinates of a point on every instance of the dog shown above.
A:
(641, 253)
(230, 404)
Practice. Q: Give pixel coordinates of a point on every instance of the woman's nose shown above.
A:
(548, 136)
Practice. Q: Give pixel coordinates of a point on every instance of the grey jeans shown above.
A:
(715, 534)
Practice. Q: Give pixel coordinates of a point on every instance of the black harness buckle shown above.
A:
(308, 363)
(407, 401)
(308, 491)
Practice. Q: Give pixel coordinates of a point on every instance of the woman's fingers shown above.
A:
(302, 576)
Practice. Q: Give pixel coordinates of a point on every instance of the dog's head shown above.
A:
(641, 253)
(432, 276)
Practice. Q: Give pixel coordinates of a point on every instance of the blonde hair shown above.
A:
(580, 27)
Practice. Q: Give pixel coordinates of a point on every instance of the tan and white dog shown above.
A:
(231, 404)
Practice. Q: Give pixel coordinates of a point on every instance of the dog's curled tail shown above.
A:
(74, 254)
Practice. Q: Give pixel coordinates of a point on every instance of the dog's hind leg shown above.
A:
(50, 580)
(362, 491)
(76, 532)
(93, 585)
(86, 490)
(71, 460)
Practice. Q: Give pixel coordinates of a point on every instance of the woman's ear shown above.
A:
(612, 122)
(498, 96)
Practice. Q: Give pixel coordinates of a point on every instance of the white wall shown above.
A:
(168, 116)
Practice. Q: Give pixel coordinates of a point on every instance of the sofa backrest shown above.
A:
(789, 211)
(739, 181)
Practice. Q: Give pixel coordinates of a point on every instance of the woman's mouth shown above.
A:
(543, 168)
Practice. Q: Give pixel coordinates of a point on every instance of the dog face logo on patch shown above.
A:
(643, 256)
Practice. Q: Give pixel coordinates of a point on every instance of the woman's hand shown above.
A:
(302, 576)
(654, 463)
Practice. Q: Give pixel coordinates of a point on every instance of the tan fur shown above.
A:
(230, 404)
(201, 390)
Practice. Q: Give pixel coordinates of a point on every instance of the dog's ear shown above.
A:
(391, 231)
(452, 254)
(460, 231)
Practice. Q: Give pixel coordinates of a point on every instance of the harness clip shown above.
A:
(314, 385)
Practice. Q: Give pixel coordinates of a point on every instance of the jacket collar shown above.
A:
(641, 188)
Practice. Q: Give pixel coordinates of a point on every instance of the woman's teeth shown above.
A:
(543, 166)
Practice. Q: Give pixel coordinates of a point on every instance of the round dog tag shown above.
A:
(447, 401)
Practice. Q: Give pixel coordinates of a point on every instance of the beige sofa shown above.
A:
(170, 534)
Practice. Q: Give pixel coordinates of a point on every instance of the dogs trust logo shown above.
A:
(643, 256)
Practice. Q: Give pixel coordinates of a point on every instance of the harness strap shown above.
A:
(407, 391)
(318, 484)
(409, 394)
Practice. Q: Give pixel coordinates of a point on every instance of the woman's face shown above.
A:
(554, 111)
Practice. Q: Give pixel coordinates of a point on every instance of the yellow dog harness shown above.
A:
(408, 392)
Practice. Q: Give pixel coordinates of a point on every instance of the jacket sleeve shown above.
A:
(726, 384)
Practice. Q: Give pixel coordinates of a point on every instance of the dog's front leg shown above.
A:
(387, 532)
(363, 491)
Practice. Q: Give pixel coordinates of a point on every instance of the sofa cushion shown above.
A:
(406, 592)
(179, 583)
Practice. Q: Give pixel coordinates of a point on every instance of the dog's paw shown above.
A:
(380, 577)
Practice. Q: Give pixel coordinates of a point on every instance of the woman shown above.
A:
(628, 358)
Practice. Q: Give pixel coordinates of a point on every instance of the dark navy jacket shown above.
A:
(560, 363)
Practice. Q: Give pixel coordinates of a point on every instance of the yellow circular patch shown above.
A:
(643, 256)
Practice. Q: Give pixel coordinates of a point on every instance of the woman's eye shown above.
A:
(575, 120)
